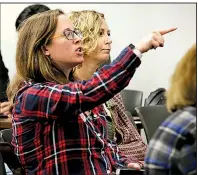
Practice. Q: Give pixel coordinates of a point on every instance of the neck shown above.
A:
(66, 70)
(86, 70)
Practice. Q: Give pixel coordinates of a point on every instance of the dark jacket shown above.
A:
(4, 79)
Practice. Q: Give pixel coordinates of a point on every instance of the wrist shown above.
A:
(139, 48)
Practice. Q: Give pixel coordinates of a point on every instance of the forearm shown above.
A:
(117, 158)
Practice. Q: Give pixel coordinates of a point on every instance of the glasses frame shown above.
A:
(74, 34)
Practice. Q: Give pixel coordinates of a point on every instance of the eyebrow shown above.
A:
(68, 29)
(103, 30)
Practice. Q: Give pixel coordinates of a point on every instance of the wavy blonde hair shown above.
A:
(89, 23)
(31, 63)
(183, 87)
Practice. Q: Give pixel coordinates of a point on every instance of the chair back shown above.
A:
(6, 135)
(151, 118)
(132, 99)
(156, 97)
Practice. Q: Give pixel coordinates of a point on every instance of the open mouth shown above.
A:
(80, 49)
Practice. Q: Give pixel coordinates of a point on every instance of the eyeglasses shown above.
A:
(69, 34)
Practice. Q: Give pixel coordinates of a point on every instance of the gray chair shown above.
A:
(151, 118)
(6, 135)
(132, 99)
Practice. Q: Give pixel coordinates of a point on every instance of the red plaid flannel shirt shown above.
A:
(52, 133)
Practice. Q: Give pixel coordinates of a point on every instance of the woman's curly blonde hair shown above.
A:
(89, 23)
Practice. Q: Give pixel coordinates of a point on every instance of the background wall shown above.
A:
(128, 23)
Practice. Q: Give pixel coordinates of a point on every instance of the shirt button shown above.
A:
(95, 116)
(108, 171)
(98, 134)
(109, 144)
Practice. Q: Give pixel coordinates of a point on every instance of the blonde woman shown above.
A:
(97, 46)
(173, 149)
(52, 132)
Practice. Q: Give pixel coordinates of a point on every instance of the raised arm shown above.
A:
(76, 97)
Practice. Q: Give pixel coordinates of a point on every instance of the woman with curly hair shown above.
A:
(97, 46)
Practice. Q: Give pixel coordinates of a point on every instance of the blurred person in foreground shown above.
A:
(173, 148)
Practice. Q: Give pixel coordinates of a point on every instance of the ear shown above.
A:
(45, 50)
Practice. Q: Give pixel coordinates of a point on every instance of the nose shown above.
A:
(77, 39)
(108, 40)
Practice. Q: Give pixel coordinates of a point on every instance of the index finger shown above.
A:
(163, 32)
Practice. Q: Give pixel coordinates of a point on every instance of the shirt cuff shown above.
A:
(135, 50)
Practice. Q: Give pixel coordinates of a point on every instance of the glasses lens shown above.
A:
(78, 33)
(68, 34)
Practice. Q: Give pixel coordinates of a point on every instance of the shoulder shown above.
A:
(178, 129)
(177, 126)
(182, 121)
(30, 89)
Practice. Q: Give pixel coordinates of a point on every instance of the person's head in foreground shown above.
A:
(172, 149)
(183, 86)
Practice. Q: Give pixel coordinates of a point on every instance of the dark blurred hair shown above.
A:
(29, 11)
(4, 79)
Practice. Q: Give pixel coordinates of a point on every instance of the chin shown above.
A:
(80, 60)
(104, 59)
(103, 56)
(77, 61)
